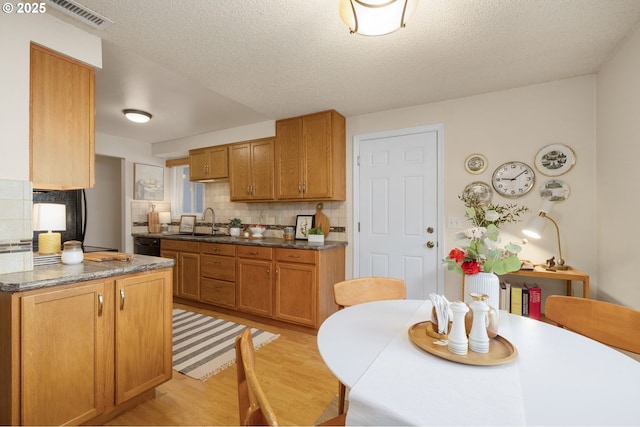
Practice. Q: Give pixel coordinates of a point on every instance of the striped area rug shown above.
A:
(204, 345)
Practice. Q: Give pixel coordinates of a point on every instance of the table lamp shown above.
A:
(536, 225)
(49, 217)
(164, 218)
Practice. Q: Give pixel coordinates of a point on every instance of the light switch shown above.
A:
(453, 222)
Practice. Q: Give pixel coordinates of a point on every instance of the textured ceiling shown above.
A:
(205, 65)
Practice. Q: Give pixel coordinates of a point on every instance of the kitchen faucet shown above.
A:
(213, 219)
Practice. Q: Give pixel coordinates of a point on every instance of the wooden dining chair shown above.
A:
(253, 407)
(360, 290)
(611, 324)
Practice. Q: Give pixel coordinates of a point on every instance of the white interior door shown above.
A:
(397, 187)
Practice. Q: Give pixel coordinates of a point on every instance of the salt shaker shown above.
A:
(478, 338)
(458, 343)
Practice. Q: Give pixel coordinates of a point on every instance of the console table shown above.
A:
(542, 273)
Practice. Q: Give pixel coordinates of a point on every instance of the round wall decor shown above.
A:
(476, 164)
(555, 190)
(555, 160)
(480, 189)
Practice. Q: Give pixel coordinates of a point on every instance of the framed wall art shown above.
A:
(555, 160)
(187, 224)
(476, 164)
(303, 224)
(148, 182)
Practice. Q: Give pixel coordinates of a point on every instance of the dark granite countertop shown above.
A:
(61, 274)
(273, 242)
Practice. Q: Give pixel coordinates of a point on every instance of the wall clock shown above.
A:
(555, 160)
(481, 190)
(513, 179)
(476, 164)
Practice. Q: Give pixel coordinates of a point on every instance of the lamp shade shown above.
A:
(49, 217)
(535, 227)
(164, 217)
(376, 17)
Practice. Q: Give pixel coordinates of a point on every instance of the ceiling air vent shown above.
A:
(81, 13)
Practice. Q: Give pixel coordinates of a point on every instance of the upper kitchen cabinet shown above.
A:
(209, 163)
(62, 122)
(251, 170)
(311, 157)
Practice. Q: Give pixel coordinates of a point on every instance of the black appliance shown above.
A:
(75, 202)
(146, 246)
(76, 210)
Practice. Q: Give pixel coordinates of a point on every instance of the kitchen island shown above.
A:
(286, 283)
(80, 344)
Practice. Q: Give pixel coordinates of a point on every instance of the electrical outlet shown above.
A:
(453, 222)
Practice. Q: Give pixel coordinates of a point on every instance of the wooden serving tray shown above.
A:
(107, 256)
(500, 349)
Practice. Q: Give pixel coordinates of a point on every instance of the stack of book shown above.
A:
(523, 300)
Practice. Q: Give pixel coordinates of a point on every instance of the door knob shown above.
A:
(430, 244)
(430, 230)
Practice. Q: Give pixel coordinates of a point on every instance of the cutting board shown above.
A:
(321, 220)
(107, 256)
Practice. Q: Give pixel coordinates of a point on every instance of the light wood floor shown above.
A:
(291, 371)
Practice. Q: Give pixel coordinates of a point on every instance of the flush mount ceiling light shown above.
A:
(137, 116)
(376, 17)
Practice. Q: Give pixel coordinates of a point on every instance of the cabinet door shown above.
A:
(189, 271)
(240, 171)
(198, 166)
(254, 286)
(219, 161)
(262, 169)
(289, 158)
(296, 293)
(63, 355)
(142, 333)
(176, 277)
(318, 159)
(62, 122)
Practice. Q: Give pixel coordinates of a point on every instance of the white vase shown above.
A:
(483, 283)
(234, 231)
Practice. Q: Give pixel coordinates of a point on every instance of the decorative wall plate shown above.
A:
(476, 164)
(480, 189)
(555, 190)
(555, 160)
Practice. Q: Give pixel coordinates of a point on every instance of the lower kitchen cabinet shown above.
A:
(79, 351)
(187, 269)
(254, 280)
(218, 274)
(295, 290)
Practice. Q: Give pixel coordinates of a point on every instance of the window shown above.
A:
(188, 197)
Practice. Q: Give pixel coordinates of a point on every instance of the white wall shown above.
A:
(510, 125)
(618, 153)
(132, 152)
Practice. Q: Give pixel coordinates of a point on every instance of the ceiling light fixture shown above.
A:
(376, 17)
(137, 116)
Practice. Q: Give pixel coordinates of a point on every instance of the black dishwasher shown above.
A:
(146, 245)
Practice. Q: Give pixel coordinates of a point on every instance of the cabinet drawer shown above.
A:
(179, 245)
(218, 267)
(218, 292)
(296, 255)
(254, 252)
(218, 249)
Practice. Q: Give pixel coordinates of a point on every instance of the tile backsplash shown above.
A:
(16, 233)
(275, 215)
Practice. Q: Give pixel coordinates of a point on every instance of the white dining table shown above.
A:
(558, 377)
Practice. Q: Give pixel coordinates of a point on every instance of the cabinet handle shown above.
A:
(304, 187)
(268, 271)
(100, 304)
(277, 271)
(253, 253)
(121, 299)
(294, 256)
(299, 188)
